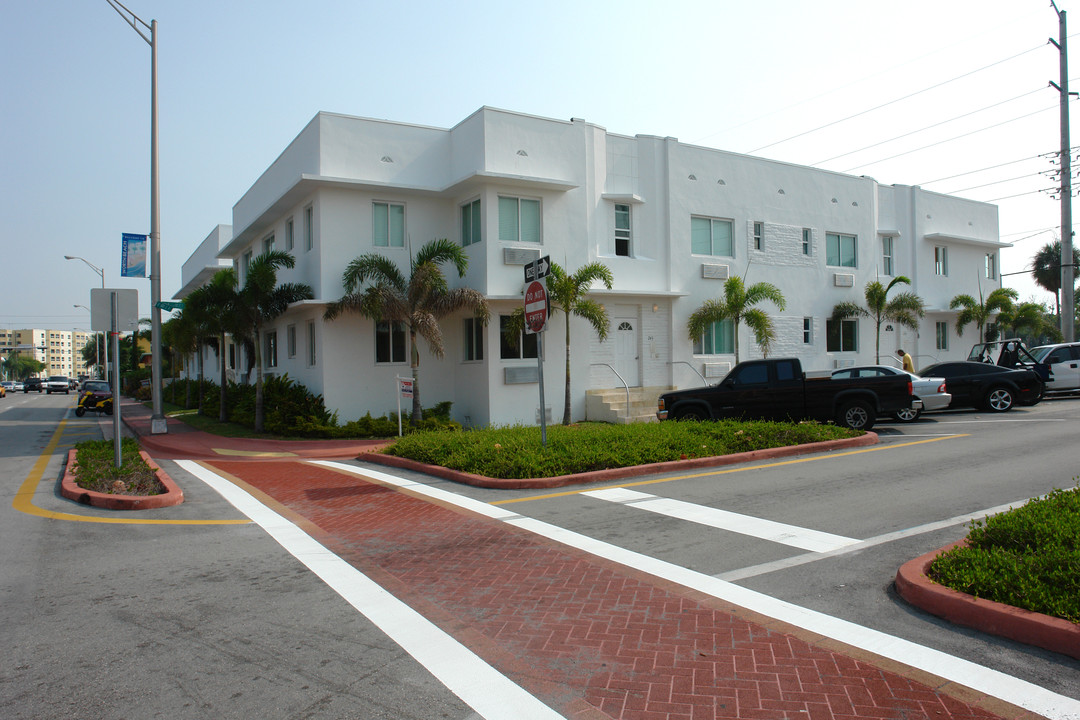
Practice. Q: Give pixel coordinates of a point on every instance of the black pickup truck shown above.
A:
(778, 389)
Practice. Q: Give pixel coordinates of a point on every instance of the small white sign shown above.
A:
(406, 388)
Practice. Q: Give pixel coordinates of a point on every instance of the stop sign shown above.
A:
(536, 306)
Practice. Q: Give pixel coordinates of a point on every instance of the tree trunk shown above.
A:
(414, 361)
(259, 409)
(223, 415)
(566, 404)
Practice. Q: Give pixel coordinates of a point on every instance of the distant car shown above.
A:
(8, 385)
(33, 384)
(3, 389)
(931, 390)
(1064, 362)
(990, 387)
(17, 386)
(57, 384)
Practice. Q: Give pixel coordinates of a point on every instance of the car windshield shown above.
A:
(96, 386)
(1042, 352)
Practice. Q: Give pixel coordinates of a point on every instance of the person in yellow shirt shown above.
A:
(909, 366)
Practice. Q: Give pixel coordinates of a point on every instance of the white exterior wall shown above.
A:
(340, 165)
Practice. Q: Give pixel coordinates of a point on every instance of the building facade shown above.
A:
(59, 350)
(672, 221)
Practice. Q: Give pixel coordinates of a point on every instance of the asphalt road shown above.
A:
(198, 613)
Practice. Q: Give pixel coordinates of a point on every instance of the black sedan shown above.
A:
(990, 387)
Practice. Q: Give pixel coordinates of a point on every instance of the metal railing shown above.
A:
(683, 362)
(627, 387)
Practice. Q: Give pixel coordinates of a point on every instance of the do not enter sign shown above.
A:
(536, 307)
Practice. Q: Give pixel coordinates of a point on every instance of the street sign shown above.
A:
(101, 309)
(170, 305)
(536, 307)
(538, 269)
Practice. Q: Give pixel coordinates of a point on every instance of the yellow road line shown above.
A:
(24, 497)
(726, 471)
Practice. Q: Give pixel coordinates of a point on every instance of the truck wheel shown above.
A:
(856, 414)
(80, 411)
(999, 399)
(907, 415)
(691, 413)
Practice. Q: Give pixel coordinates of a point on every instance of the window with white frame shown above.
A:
(941, 260)
(289, 239)
(311, 342)
(991, 266)
(473, 339)
(807, 240)
(622, 230)
(759, 236)
(470, 223)
(887, 256)
(309, 229)
(942, 333)
(271, 349)
(389, 342)
(519, 220)
(841, 335)
(711, 236)
(245, 263)
(808, 331)
(718, 339)
(388, 220)
(268, 244)
(290, 341)
(841, 250)
(524, 348)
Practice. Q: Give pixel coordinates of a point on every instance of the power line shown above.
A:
(991, 167)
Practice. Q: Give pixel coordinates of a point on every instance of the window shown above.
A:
(268, 244)
(288, 234)
(470, 223)
(759, 236)
(709, 236)
(840, 250)
(474, 339)
(756, 374)
(232, 357)
(309, 229)
(389, 342)
(807, 240)
(526, 344)
(942, 332)
(519, 220)
(271, 349)
(887, 256)
(311, 342)
(991, 266)
(941, 261)
(622, 230)
(245, 263)
(290, 340)
(718, 339)
(389, 220)
(841, 335)
(807, 330)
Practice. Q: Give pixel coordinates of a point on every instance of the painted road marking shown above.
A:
(777, 532)
(491, 694)
(986, 680)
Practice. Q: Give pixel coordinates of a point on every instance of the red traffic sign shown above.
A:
(536, 307)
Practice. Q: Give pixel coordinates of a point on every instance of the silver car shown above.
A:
(930, 390)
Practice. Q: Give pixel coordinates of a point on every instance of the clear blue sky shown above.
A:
(239, 79)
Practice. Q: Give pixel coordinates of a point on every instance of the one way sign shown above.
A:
(538, 269)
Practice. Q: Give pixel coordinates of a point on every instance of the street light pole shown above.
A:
(158, 424)
(101, 272)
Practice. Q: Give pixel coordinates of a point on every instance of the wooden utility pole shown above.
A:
(1068, 322)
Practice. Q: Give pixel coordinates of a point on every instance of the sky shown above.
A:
(952, 95)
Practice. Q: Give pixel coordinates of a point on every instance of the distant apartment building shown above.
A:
(59, 350)
(671, 221)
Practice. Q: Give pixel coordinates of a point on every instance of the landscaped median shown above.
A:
(153, 488)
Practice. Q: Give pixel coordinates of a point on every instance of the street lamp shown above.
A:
(101, 272)
(95, 339)
(157, 419)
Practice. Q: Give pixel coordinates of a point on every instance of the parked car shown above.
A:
(778, 389)
(931, 390)
(18, 386)
(990, 387)
(1064, 362)
(8, 385)
(95, 396)
(3, 389)
(57, 384)
(33, 384)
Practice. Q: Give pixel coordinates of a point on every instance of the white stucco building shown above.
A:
(670, 220)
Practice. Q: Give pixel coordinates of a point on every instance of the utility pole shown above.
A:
(1068, 322)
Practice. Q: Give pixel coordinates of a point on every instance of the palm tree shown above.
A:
(212, 306)
(179, 333)
(979, 312)
(566, 294)
(903, 309)
(1030, 320)
(737, 305)
(376, 289)
(1046, 270)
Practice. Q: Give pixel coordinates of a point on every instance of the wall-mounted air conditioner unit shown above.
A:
(717, 370)
(843, 280)
(844, 362)
(714, 272)
(519, 256)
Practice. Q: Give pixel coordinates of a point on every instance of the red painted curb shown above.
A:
(1049, 633)
(173, 495)
(464, 478)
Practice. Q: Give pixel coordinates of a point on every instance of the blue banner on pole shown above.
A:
(133, 263)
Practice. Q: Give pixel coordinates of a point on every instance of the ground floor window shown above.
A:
(942, 333)
(311, 343)
(474, 339)
(271, 349)
(718, 339)
(389, 342)
(290, 340)
(841, 335)
(524, 348)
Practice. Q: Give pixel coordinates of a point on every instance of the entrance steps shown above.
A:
(609, 404)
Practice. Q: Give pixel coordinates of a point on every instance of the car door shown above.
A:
(960, 383)
(745, 392)
(1065, 365)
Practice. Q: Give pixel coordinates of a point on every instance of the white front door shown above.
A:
(627, 354)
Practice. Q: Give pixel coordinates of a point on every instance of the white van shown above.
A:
(1064, 362)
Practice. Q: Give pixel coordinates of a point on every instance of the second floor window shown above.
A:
(941, 261)
(622, 230)
(991, 266)
(389, 224)
(470, 223)
(759, 236)
(519, 220)
(887, 256)
(710, 236)
(840, 250)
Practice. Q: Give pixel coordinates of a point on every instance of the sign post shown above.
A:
(537, 310)
(405, 390)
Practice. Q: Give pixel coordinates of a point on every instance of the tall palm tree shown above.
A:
(567, 294)
(978, 312)
(1046, 270)
(260, 301)
(903, 309)
(179, 334)
(737, 305)
(212, 304)
(1031, 321)
(376, 289)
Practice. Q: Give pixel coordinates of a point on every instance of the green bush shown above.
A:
(96, 469)
(1028, 557)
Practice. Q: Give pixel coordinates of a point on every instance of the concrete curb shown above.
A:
(173, 495)
(464, 478)
(1024, 626)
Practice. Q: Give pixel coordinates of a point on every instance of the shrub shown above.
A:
(96, 469)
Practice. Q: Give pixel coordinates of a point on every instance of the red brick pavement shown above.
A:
(591, 638)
